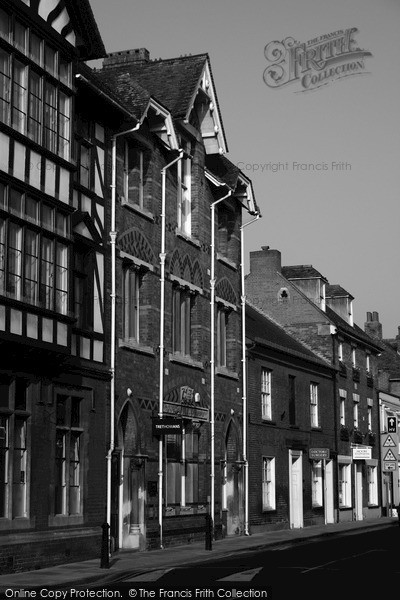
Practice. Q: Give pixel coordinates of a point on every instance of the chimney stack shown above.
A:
(126, 58)
(372, 326)
(265, 262)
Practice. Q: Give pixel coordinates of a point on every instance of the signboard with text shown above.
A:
(318, 453)
(166, 426)
(362, 452)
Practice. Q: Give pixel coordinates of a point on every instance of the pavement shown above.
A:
(126, 562)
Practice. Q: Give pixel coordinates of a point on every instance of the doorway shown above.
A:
(358, 491)
(328, 493)
(131, 489)
(295, 489)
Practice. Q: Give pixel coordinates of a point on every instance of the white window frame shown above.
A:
(340, 351)
(345, 485)
(184, 200)
(342, 406)
(356, 400)
(268, 484)
(182, 315)
(317, 483)
(266, 394)
(353, 357)
(314, 408)
(131, 304)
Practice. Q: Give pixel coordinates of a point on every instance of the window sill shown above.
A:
(187, 238)
(16, 524)
(138, 210)
(63, 520)
(268, 422)
(224, 372)
(229, 263)
(136, 347)
(186, 360)
(268, 510)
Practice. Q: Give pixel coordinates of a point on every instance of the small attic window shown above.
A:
(283, 295)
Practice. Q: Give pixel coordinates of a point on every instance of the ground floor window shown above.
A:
(344, 485)
(68, 457)
(182, 473)
(14, 448)
(317, 483)
(268, 483)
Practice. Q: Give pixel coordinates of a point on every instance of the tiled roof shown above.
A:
(227, 172)
(101, 84)
(261, 328)
(126, 89)
(223, 169)
(301, 272)
(389, 360)
(336, 291)
(355, 331)
(171, 81)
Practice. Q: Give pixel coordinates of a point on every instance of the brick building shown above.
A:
(177, 207)
(292, 455)
(54, 370)
(320, 316)
(388, 363)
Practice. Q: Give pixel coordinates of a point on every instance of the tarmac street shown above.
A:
(126, 564)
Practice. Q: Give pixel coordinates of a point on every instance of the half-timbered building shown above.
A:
(54, 370)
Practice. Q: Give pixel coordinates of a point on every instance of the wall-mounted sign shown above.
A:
(318, 453)
(186, 411)
(362, 453)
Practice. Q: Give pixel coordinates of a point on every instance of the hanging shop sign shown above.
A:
(166, 425)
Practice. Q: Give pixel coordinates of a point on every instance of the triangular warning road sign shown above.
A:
(390, 456)
(389, 442)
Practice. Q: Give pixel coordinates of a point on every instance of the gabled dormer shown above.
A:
(341, 302)
(203, 112)
(309, 281)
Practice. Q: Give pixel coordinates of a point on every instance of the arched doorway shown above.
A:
(131, 495)
(232, 482)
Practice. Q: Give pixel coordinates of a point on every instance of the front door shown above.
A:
(328, 493)
(295, 489)
(358, 491)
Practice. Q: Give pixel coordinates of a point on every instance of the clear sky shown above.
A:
(345, 222)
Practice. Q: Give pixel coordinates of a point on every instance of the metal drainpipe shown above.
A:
(212, 361)
(113, 235)
(161, 347)
(244, 378)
